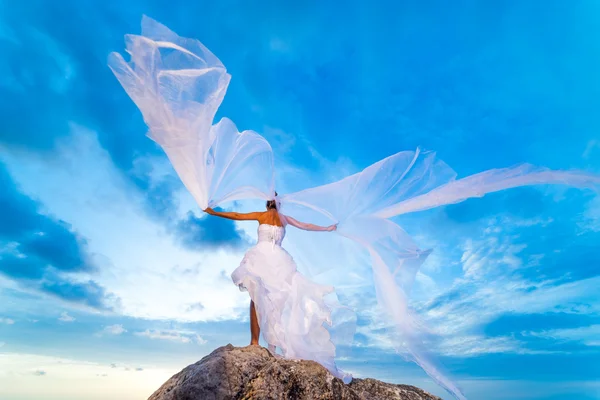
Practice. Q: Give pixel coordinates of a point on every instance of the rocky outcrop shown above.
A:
(254, 373)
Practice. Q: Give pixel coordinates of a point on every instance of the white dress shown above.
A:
(290, 308)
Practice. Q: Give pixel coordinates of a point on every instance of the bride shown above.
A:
(270, 276)
(178, 85)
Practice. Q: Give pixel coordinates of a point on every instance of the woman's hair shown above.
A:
(272, 204)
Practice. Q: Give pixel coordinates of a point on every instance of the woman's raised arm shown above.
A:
(310, 227)
(253, 216)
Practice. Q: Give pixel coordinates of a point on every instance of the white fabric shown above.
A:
(292, 311)
(178, 84)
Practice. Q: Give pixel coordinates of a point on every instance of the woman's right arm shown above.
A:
(253, 216)
(310, 227)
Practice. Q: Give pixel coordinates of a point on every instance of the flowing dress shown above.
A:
(291, 309)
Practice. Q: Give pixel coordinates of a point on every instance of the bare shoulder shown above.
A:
(261, 216)
(271, 217)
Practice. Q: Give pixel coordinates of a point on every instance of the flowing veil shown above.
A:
(178, 85)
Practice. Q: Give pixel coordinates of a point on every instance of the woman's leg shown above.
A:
(254, 328)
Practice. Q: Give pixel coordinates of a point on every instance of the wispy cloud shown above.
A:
(116, 329)
(471, 345)
(586, 335)
(172, 335)
(501, 276)
(490, 288)
(7, 321)
(590, 219)
(65, 317)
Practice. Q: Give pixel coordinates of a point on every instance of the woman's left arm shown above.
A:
(310, 227)
(253, 216)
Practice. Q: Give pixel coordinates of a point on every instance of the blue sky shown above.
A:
(111, 280)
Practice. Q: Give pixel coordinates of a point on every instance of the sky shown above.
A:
(112, 280)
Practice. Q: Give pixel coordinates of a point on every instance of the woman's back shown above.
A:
(271, 217)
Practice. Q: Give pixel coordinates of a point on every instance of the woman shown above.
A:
(282, 300)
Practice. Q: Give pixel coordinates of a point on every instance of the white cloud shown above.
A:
(587, 335)
(116, 329)
(172, 335)
(525, 222)
(475, 345)
(7, 321)
(473, 304)
(139, 258)
(590, 219)
(479, 257)
(65, 317)
(426, 282)
(489, 289)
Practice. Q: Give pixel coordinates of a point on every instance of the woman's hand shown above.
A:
(332, 228)
(209, 211)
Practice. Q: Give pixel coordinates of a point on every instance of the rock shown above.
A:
(254, 373)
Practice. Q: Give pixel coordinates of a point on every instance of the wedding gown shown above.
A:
(291, 309)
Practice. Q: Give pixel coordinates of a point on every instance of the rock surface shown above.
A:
(254, 373)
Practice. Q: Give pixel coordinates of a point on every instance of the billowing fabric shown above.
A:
(178, 85)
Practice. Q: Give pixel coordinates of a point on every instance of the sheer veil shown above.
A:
(178, 85)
